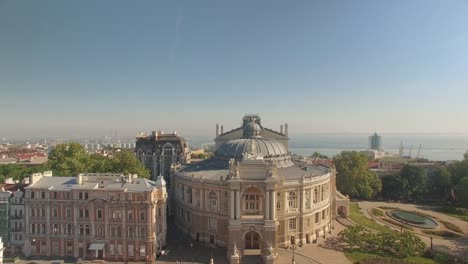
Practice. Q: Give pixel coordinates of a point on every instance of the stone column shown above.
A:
(273, 205)
(232, 216)
(238, 207)
(202, 199)
(267, 204)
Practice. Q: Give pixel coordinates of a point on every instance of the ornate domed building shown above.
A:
(252, 197)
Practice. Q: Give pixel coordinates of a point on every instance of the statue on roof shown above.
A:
(233, 169)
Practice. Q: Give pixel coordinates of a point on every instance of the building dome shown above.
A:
(251, 129)
(259, 146)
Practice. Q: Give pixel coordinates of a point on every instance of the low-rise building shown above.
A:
(99, 216)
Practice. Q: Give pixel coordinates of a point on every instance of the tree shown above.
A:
(68, 159)
(440, 183)
(416, 180)
(461, 191)
(126, 162)
(317, 155)
(18, 172)
(353, 176)
(393, 187)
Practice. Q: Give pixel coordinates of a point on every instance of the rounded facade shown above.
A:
(253, 198)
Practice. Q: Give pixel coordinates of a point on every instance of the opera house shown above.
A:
(252, 196)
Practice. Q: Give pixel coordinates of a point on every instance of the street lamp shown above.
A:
(293, 247)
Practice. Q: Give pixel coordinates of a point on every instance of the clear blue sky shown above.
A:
(321, 66)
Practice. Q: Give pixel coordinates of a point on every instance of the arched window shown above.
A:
(168, 150)
(189, 194)
(292, 199)
(252, 201)
(212, 200)
(315, 195)
(148, 152)
(308, 199)
(139, 152)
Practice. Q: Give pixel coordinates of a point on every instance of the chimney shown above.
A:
(222, 129)
(217, 130)
(281, 129)
(286, 129)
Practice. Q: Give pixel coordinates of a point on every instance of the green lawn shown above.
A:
(357, 255)
(460, 213)
(360, 219)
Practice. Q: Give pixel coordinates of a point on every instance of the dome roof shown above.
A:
(262, 146)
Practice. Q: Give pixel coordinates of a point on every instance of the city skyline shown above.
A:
(79, 68)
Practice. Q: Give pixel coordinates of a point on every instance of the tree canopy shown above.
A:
(70, 159)
(353, 176)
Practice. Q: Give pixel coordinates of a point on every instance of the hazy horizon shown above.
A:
(82, 68)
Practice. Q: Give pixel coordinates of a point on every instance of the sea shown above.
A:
(437, 147)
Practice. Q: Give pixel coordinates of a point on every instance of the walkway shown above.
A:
(453, 246)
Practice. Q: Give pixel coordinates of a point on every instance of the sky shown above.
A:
(81, 67)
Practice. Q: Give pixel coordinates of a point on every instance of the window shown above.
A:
(81, 230)
(130, 215)
(55, 195)
(69, 248)
(142, 250)
(142, 232)
(69, 229)
(68, 212)
(308, 222)
(212, 224)
(33, 211)
(56, 229)
(315, 195)
(213, 200)
(142, 216)
(33, 228)
(86, 213)
(130, 232)
(323, 214)
(43, 195)
(54, 212)
(116, 215)
(32, 195)
(252, 204)
(131, 251)
(99, 214)
(292, 224)
(292, 200)
(86, 196)
(119, 249)
(307, 203)
(87, 230)
(43, 228)
(317, 217)
(80, 196)
(278, 205)
(112, 249)
(43, 212)
(189, 194)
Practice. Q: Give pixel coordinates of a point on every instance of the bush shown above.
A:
(401, 245)
(377, 212)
